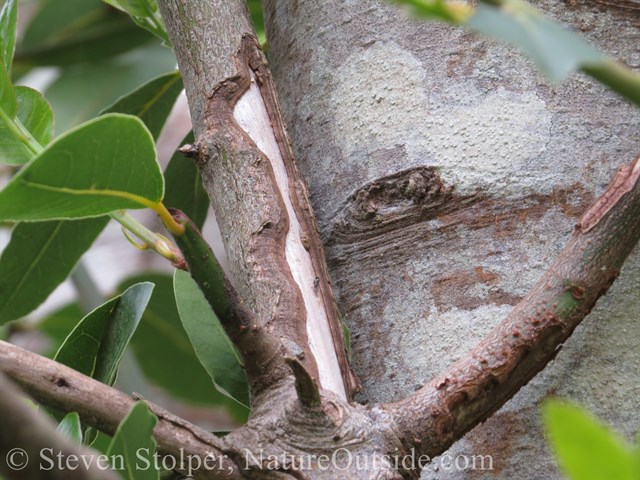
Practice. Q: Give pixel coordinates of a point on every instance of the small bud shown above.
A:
(189, 151)
(163, 248)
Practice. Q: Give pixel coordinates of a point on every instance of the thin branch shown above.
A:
(467, 393)
(29, 443)
(62, 388)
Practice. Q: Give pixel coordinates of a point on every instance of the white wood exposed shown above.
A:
(251, 114)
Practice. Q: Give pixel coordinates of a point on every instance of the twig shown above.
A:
(62, 388)
(29, 444)
(467, 393)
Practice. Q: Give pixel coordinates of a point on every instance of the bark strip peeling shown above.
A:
(244, 118)
(622, 183)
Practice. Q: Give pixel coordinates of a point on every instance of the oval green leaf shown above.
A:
(106, 164)
(152, 102)
(36, 116)
(38, 258)
(133, 447)
(35, 113)
(210, 342)
(584, 447)
(95, 347)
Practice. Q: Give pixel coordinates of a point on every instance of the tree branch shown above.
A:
(26, 434)
(261, 202)
(467, 393)
(62, 388)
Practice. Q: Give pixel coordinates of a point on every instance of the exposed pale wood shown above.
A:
(276, 257)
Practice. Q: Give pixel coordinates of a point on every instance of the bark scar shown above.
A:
(622, 183)
(279, 243)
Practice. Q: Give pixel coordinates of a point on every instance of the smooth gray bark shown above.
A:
(510, 164)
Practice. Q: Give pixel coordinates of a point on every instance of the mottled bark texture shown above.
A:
(446, 175)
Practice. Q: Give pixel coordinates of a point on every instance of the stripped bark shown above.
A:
(250, 174)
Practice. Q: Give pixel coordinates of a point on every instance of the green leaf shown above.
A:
(133, 446)
(213, 348)
(584, 447)
(152, 102)
(35, 113)
(556, 50)
(8, 102)
(8, 22)
(38, 258)
(36, 116)
(95, 347)
(165, 354)
(131, 7)
(104, 165)
(71, 428)
(184, 187)
(145, 14)
(85, 31)
(257, 18)
(83, 90)
(455, 13)
(617, 77)
(101, 442)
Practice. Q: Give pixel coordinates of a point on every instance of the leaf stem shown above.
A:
(156, 242)
(166, 217)
(617, 77)
(158, 207)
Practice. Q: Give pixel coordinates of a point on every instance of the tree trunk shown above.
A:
(446, 175)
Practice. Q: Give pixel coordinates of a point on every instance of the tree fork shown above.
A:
(287, 426)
